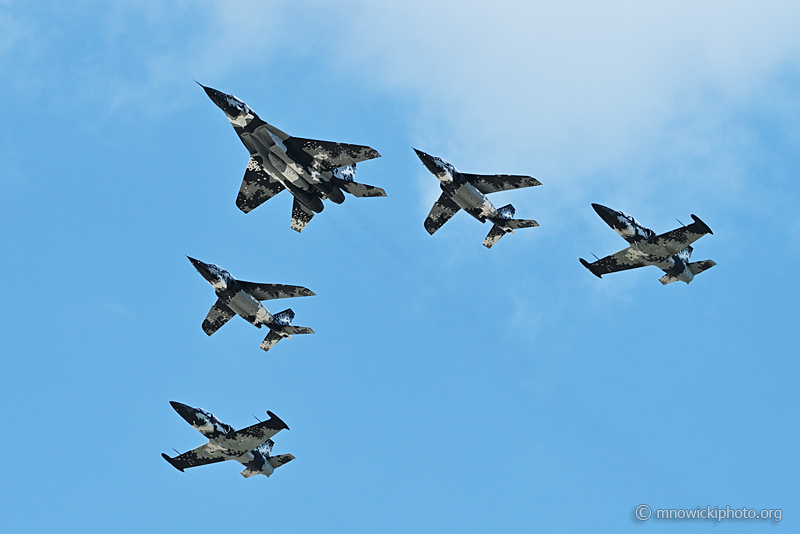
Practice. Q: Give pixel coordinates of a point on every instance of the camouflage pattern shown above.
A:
(312, 170)
(251, 446)
(670, 251)
(468, 192)
(241, 298)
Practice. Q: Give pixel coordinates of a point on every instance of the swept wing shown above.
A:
(257, 186)
(492, 183)
(218, 315)
(441, 212)
(275, 291)
(330, 155)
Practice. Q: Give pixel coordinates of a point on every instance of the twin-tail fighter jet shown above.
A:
(311, 170)
(468, 192)
(251, 446)
(670, 252)
(236, 297)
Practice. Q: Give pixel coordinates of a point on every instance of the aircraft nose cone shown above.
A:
(182, 409)
(607, 214)
(427, 160)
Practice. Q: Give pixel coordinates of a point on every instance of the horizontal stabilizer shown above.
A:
(279, 460)
(292, 330)
(247, 473)
(301, 215)
(668, 279)
(358, 190)
(272, 338)
(698, 267)
(494, 236)
(520, 223)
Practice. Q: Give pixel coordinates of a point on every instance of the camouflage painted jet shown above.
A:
(468, 192)
(670, 252)
(311, 170)
(249, 446)
(236, 297)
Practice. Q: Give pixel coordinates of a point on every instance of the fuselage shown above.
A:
(293, 168)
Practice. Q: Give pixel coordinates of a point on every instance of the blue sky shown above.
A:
(448, 388)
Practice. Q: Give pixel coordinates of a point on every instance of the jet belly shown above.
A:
(471, 200)
(245, 305)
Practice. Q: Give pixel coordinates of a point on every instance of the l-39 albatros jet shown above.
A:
(249, 446)
(311, 170)
(236, 297)
(670, 252)
(468, 192)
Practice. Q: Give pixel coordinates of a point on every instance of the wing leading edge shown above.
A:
(441, 212)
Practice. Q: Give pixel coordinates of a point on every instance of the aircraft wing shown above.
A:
(330, 155)
(257, 186)
(249, 438)
(492, 183)
(620, 261)
(209, 453)
(218, 315)
(275, 291)
(442, 210)
(678, 239)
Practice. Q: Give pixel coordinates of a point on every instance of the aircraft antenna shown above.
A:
(257, 419)
(680, 222)
(593, 254)
(176, 451)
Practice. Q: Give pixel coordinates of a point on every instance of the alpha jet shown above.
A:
(236, 297)
(670, 252)
(251, 446)
(311, 170)
(468, 192)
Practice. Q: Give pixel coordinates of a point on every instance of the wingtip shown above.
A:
(167, 458)
(277, 421)
(703, 227)
(589, 266)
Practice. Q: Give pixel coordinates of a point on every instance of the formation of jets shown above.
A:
(314, 171)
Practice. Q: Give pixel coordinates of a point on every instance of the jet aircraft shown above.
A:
(468, 192)
(236, 297)
(311, 170)
(670, 252)
(251, 446)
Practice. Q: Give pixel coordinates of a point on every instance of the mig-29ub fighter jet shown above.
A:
(468, 192)
(236, 297)
(249, 446)
(311, 170)
(670, 252)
